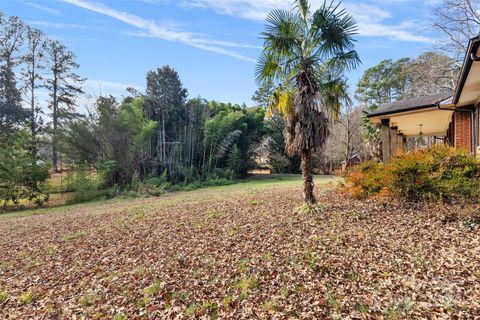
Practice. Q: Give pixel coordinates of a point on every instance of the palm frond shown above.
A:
(285, 103)
(332, 94)
(303, 7)
(333, 29)
(273, 102)
(344, 61)
(267, 67)
(283, 32)
(281, 101)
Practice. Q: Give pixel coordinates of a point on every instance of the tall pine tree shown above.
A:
(64, 84)
(11, 40)
(165, 104)
(32, 78)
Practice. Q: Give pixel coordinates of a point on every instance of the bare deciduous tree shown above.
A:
(351, 135)
(431, 73)
(460, 21)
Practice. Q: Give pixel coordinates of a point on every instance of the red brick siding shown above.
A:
(463, 131)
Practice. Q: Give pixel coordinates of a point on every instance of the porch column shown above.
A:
(393, 141)
(401, 146)
(386, 154)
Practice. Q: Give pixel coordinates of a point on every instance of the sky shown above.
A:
(213, 44)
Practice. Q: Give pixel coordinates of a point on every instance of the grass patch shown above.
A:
(210, 308)
(332, 301)
(25, 298)
(254, 184)
(214, 214)
(3, 296)
(269, 305)
(119, 317)
(190, 310)
(245, 286)
(89, 299)
(52, 249)
(74, 235)
(308, 208)
(243, 265)
(153, 289)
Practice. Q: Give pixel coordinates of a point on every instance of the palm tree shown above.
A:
(305, 55)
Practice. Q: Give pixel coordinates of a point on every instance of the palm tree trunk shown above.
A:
(307, 176)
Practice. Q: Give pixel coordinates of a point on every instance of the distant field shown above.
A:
(239, 252)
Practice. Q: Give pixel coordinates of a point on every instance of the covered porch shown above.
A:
(427, 118)
(450, 117)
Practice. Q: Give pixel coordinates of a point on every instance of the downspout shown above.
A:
(473, 146)
(475, 115)
(475, 129)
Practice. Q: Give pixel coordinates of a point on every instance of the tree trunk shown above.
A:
(307, 176)
(55, 124)
(33, 128)
(164, 154)
(32, 108)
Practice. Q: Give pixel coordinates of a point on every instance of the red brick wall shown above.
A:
(463, 131)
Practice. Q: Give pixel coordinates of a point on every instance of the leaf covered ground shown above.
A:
(241, 252)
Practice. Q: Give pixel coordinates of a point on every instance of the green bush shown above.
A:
(22, 175)
(158, 181)
(156, 185)
(199, 184)
(84, 187)
(217, 182)
(438, 173)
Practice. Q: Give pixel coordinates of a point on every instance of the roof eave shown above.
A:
(473, 46)
(381, 114)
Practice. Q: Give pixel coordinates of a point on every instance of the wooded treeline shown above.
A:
(29, 62)
(156, 135)
(161, 133)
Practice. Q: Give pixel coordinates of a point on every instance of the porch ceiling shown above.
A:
(470, 93)
(467, 92)
(434, 122)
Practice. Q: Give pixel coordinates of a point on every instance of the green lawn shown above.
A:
(253, 184)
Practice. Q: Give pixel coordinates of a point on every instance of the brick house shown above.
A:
(449, 117)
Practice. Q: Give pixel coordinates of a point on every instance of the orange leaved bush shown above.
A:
(438, 173)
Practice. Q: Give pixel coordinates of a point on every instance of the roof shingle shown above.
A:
(409, 104)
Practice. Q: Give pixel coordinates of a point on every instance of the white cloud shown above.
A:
(158, 31)
(214, 42)
(101, 87)
(370, 18)
(247, 9)
(58, 25)
(371, 23)
(43, 8)
(392, 32)
(150, 1)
